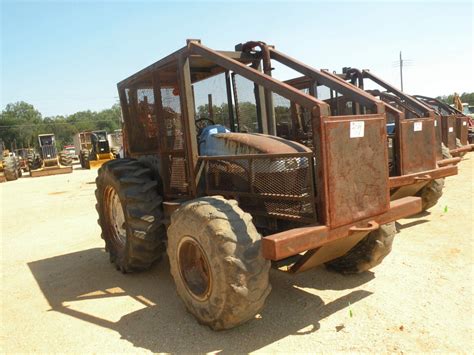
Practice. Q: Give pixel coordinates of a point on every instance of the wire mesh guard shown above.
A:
(271, 185)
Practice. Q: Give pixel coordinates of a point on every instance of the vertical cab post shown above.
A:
(187, 109)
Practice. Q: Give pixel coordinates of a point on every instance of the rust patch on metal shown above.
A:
(255, 143)
(357, 170)
(417, 151)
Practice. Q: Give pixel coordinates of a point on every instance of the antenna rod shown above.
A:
(401, 71)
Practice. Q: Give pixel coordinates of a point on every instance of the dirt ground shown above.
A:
(61, 294)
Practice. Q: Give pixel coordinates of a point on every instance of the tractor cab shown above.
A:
(46, 140)
(100, 144)
(49, 161)
(47, 146)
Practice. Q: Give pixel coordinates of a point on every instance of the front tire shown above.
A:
(459, 145)
(65, 158)
(431, 193)
(445, 152)
(84, 158)
(368, 253)
(216, 262)
(34, 161)
(115, 152)
(130, 214)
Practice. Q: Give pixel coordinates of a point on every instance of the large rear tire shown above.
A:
(84, 158)
(216, 262)
(34, 162)
(10, 168)
(130, 214)
(65, 158)
(368, 253)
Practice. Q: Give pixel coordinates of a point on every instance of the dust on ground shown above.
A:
(61, 294)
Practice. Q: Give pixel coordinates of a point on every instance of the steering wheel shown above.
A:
(202, 123)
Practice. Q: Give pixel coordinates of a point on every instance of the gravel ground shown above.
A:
(61, 294)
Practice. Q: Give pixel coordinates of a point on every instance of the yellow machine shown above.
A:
(93, 149)
(457, 102)
(49, 162)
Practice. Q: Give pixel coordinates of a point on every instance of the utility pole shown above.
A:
(401, 71)
(402, 63)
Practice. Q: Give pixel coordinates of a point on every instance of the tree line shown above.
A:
(21, 123)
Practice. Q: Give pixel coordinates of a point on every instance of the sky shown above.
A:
(65, 57)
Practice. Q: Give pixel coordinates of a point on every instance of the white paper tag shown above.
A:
(390, 143)
(464, 123)
(451, 129)
(357, 129)
(418, 126)
(436, 123)
(213, 131)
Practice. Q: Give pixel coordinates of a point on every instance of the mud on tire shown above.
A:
(216, 262)
(10, 168)
(445, 152)
(368, 253)
(84, 159)
(459, 145)
(115, 152)
(130, 214)
(34, 161)
(65, 158)
(431, 193)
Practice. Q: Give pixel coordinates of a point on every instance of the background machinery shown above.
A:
(10, 168)
(93, 149)
(48, 161)
(22, 154)
(116, 142)
(456, 127)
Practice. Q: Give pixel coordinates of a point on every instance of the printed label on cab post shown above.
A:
(357, 129)
(418, 126)
(451, 129)
(464, 123)
(436, 123)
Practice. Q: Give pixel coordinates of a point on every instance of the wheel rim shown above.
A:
(115, 217)
(194, 268)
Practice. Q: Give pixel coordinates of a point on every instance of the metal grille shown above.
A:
(178, 182)
(277, 185)
(146, 112)
(172, 119)
(173, 143)
(142, 125)
(48, 152)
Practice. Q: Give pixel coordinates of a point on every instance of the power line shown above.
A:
(53, 123)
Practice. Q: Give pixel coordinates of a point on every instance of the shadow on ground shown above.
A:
(401, 226)
(163, 325)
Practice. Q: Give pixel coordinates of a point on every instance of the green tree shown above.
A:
(18, 123)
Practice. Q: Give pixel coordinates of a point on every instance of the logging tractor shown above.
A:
(93, 149)
(48, 161)
(207, 179)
